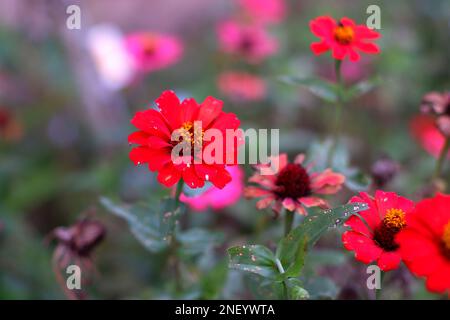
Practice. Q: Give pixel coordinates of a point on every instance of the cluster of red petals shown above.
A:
(425, 242)
(242, 86)
(371, 238)
(343, 38)
(292, 186)
(154, 143)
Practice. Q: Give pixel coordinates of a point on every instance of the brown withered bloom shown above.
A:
(74, 247)
(438, 105)
(384, 171)
(10, 128)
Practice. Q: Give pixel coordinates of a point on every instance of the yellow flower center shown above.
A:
(395, 219)
(191, 133)
(446, 236)
(344, 34)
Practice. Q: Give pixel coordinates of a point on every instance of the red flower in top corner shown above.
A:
(342, 38)
(425, 242)
(152, 51)
(292, 186)
(373, 238)
(189, 120)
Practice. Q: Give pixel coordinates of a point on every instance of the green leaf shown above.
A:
(292, 249)
(319, 87)
(255, 259)
(197, 241)
(321, 288)
(361, 88)
(296, 290)
(153, 228)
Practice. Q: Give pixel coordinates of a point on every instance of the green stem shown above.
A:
(288, 220)
(285, 286)
(338, 111)
(178, 192)
(441, 159)
(378, 291)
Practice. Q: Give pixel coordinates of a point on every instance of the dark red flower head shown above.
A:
(190, 123)
(342, 38)
(425, 242)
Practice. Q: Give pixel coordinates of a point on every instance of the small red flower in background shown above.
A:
(241, 86)
(373, 239)
(292, 186)
(425, 242)
(219, 198)
(427, 134)
(252, 42)
(264, 11)
(155, 144)
(342, 38)
(10, 128)
(152, 51)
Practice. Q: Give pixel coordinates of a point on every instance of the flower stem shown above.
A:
(441, 159)
(178, 192)
(288, 220)
(338, 111)
(378, 291)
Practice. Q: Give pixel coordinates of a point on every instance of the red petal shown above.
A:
(191, 179)
(151, 122)
(190, 110)
(322, 26)
(367, 47)
(138, 137)
(365, 249)
(319, 47)
(169, 175)
(210, 109)
(155, 142)
(389, 261)
(169, 104)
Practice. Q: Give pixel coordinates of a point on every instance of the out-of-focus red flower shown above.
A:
(10, 128)
(425, 242)
(373, 238)
(219, 198)
(152, 51)
(343, 38)
(427, 134)
(241, 86)
(252, 42)
(264, 11)
(154, 140)
(291, 185)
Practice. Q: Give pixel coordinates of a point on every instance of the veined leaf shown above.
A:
(292, 249)
(257, 259)
(153, 228)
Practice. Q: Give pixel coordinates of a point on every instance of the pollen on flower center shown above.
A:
(446, 239)
(344, 34)
(384, 234)
(395, 219)
(191, 133)
(293, 182)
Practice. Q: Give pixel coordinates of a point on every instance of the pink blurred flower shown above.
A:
(152, 51)
(264, 11)
(252, 42)
(241, 86)
(292, 186)
(219, 198)
(427, 134)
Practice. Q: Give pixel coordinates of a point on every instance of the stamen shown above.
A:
(395, 219)
(344, 34)
(446, 236)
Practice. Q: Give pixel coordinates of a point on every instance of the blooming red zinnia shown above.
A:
(155, 144)
(292, 186)
(342, 38)
(373, 238)
(425, 242)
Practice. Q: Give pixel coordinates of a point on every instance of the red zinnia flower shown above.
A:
(373, 239)
(425, 242)
(342, 38)
(292, 186)
(155, 143)
(425, 131)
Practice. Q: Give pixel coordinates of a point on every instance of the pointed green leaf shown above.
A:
(255, 259)
(292, 249)
(361, 88)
